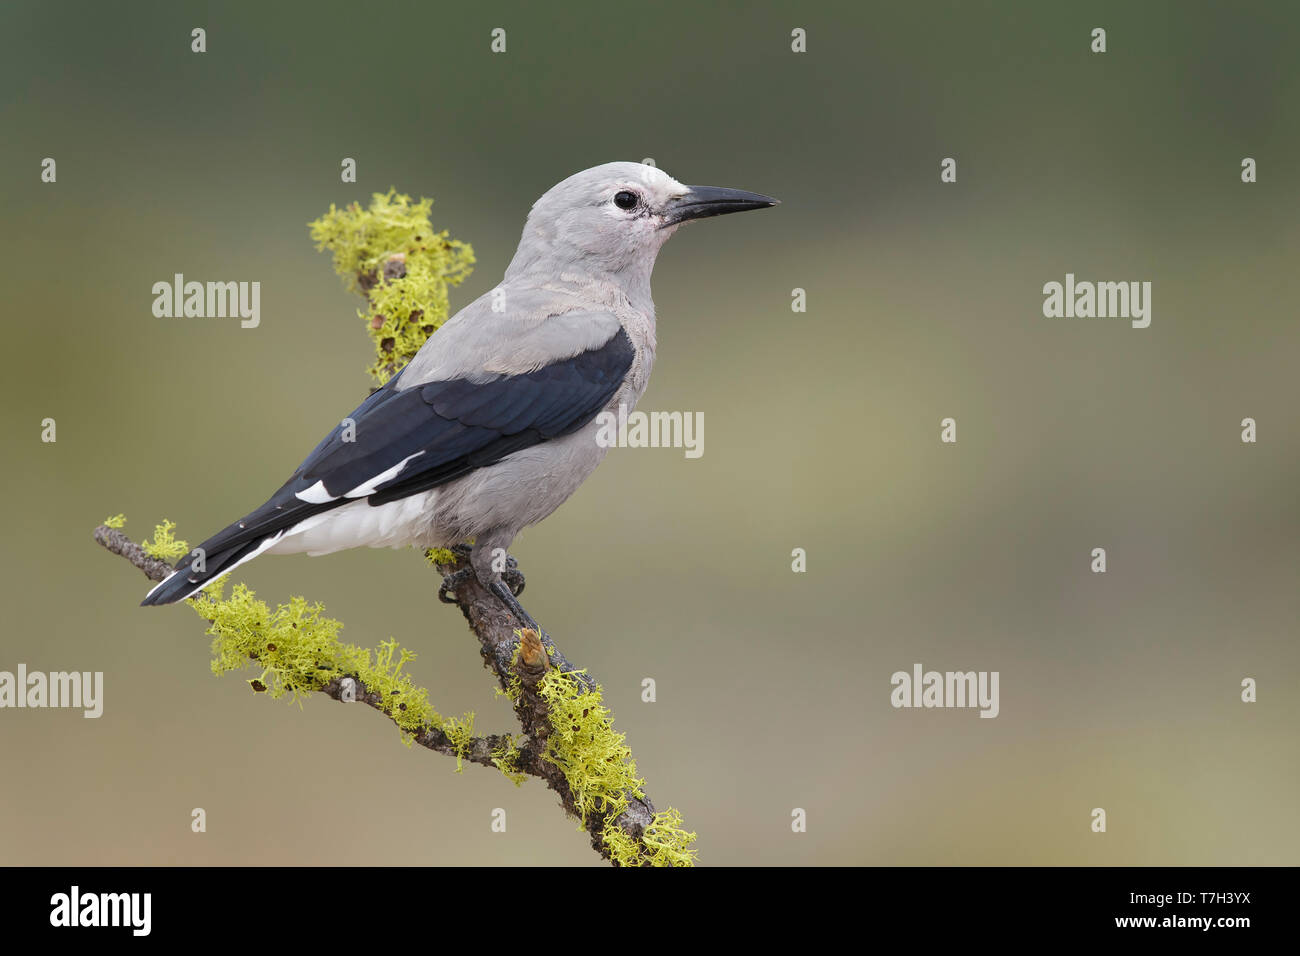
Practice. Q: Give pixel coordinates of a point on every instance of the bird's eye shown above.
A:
(625, 199)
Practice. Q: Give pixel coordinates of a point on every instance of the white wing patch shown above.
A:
(317, 495)
(361, 491)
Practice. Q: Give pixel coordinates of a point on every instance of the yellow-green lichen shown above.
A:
(460, 732)
(584, 745)
(403, 312)
(514, 686)
(664, 842)
(601, 773)
(667, 842)
(440, 556)
(299, 651)
(164, 546)
(506, 759)
(117, 521)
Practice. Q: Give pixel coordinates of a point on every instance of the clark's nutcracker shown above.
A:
(493, 424)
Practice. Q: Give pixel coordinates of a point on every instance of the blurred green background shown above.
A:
(1118, 691)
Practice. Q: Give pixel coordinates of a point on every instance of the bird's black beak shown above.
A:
(704, 201)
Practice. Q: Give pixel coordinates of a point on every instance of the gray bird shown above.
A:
(493, 424)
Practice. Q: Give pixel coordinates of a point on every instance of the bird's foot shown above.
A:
(513, 577)
(447, 590)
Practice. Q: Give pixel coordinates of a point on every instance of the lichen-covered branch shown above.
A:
(568, 739)
(571, 741)
(474, 749)
(376, 247)
(114, 540)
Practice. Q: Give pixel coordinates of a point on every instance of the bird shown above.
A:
(493, 424)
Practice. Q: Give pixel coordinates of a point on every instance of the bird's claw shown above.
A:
(446, 590)
(513, 577)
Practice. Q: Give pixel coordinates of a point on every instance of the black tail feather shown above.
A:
(185, 581)
(232, 544)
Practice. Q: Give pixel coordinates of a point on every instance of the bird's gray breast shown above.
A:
(528, 485)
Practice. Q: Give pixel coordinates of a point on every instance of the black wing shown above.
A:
(451, 427)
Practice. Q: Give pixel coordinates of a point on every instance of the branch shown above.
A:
(513, 656)
(495, 629)
(480, 749)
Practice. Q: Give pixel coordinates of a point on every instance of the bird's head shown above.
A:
(613, 219)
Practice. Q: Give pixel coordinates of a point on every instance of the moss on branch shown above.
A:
(298, 650)
(390, 253)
